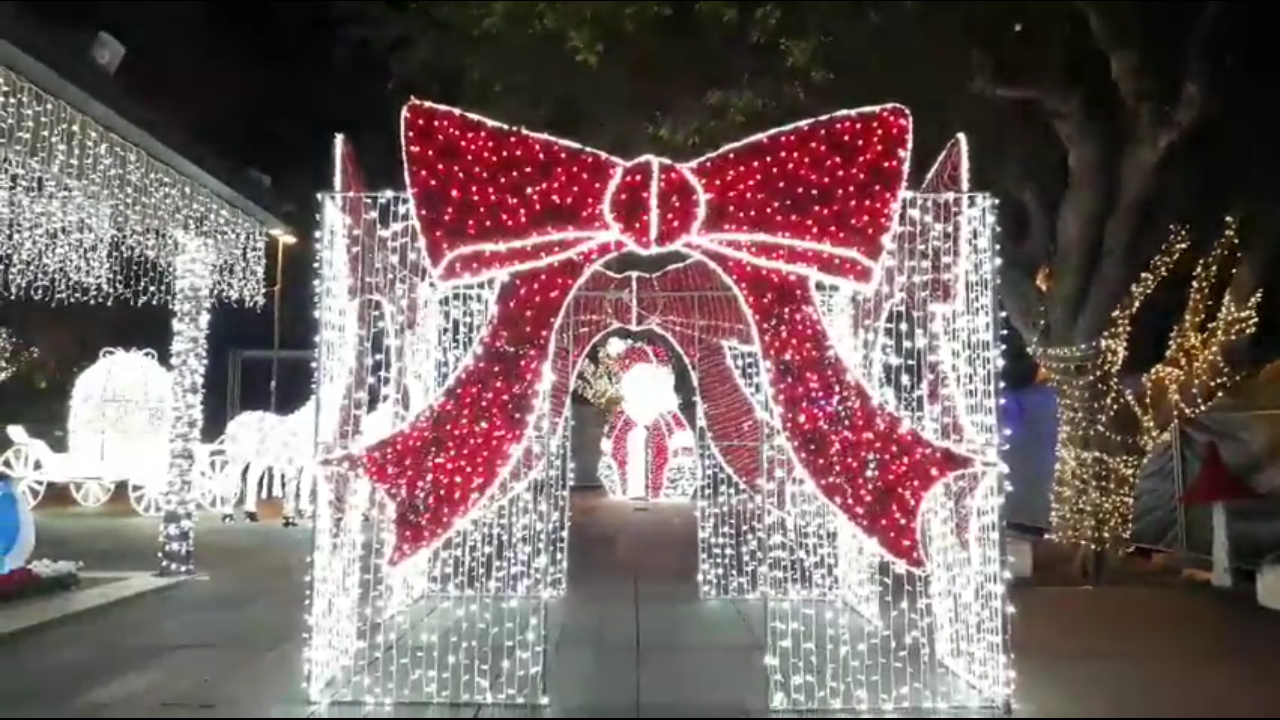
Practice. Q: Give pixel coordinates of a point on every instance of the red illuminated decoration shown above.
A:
(1215, 482)
(770, 213)
(362, 249)
(917, 286)
(938, 243)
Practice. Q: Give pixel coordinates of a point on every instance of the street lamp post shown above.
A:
(282, 239)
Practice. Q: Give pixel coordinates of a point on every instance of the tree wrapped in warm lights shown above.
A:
(598, 381)
(14, 354)
(1106, 430)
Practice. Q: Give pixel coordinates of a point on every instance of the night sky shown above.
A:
(257, 87)
(265, 86)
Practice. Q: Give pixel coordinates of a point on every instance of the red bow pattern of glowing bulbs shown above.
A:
(770, 213)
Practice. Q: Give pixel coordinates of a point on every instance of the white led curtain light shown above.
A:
(87, 217)
(465, 621)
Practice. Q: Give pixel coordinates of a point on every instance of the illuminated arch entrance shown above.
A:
(465, 617)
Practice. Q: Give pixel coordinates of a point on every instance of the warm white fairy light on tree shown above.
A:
(1107, 430)
(87, 217)
(14, 354)
(1196, 370)
(598, 382)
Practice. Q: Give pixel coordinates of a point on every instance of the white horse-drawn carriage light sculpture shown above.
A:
(118, 430)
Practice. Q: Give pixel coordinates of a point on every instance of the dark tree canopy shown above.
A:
(1085, 117)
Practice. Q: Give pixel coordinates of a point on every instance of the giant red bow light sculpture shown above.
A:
(771, 213)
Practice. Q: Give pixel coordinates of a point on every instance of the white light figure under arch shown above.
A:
(647, 451)
(118, 428)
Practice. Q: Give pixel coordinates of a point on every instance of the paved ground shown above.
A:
(223, 647)
(229, 647)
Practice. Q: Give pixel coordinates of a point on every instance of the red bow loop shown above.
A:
(816, 197)
(492, 199)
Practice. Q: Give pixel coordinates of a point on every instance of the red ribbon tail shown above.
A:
(444, 464)
(658, 447)
(873, 467)
(618, 448)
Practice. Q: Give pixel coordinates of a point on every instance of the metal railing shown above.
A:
(1250, 447)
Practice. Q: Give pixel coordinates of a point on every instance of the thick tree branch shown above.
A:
(1120, 44)
(1083, 209)
(1135, 82)
(1022, 301)
(1060, 103)
(1021, 257)
(1156, 131)
(1082, 215)
(1190, 107)
(1122, 252)
(1039, 224)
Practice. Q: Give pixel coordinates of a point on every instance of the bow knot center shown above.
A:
(654, 203)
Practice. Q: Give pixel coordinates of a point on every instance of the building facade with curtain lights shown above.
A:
(93, 209)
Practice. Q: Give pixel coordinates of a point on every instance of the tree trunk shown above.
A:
(1092, 500)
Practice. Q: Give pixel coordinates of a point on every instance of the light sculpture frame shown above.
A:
(89, 217)
(120, 420)
(844, 627)
(646, 447)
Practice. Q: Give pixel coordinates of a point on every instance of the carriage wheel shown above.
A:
(147, 499)
(92, 493)
(23, 466)
(219, 487)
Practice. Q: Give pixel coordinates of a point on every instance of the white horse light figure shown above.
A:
(272, 453)
(261, 445)
(275, 455)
